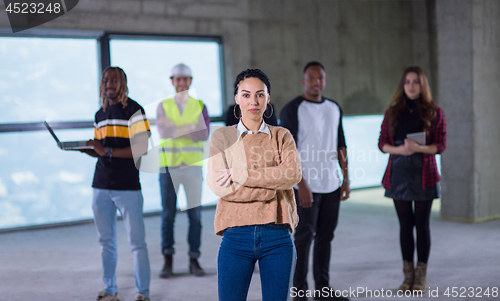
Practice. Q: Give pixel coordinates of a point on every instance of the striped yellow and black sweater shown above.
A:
(116, 128)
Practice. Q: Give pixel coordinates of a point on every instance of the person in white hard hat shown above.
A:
(183, 124)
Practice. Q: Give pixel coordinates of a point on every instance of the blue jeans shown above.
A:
(170, 179)
(241, 247)
(129, 202)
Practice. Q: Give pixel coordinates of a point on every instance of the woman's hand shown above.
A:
(410, 147)
(414, 147)
(407, 149)
(225, 179)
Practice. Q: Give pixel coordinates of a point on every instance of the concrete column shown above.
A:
(468, 58)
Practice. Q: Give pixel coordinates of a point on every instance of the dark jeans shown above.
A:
(316, 223)
(191, 179)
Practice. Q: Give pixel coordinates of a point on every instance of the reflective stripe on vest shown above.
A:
(174, 152)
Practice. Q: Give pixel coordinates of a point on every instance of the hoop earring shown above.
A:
(272, 111)
(234, 111)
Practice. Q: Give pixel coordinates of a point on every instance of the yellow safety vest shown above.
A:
(174, 152)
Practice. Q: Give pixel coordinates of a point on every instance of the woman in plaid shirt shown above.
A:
(411, 177)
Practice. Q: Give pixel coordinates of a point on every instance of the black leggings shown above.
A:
(418, 218)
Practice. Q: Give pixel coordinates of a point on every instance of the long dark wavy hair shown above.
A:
(426, 105)
(121, 89)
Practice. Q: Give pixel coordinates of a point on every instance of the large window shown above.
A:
(48, 78)
(148, 64)
(57, 79)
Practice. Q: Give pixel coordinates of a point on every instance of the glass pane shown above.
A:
(40, 183)
(366, 162)
(48, 78)
(148, 65)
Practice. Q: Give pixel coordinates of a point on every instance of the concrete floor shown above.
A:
(64, 263)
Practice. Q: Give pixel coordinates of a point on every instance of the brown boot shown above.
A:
(420, 283)
(408, 271)
(167, 267)
(194, 268)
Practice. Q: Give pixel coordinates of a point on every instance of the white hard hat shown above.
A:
(181, 70)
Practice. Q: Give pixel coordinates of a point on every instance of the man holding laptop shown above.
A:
(121, 137)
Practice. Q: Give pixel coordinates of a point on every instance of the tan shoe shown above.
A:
(420, 283)
(408, 271)
(141, 297)
(103, 297)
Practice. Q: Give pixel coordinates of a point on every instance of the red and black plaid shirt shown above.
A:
(437, 136)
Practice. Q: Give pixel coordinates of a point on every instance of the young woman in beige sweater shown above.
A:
(253, 168)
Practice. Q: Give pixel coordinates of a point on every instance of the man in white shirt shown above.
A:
(316, 124)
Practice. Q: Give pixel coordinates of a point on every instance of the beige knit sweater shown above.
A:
(264, 170)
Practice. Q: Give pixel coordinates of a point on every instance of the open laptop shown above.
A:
(69, 145)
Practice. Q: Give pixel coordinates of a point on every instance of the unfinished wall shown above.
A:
(468, 77)
(364, 45)
(486, 92)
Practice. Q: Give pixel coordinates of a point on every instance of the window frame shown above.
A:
(104, 59)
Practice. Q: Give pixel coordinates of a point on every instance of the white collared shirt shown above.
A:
(242, 129)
